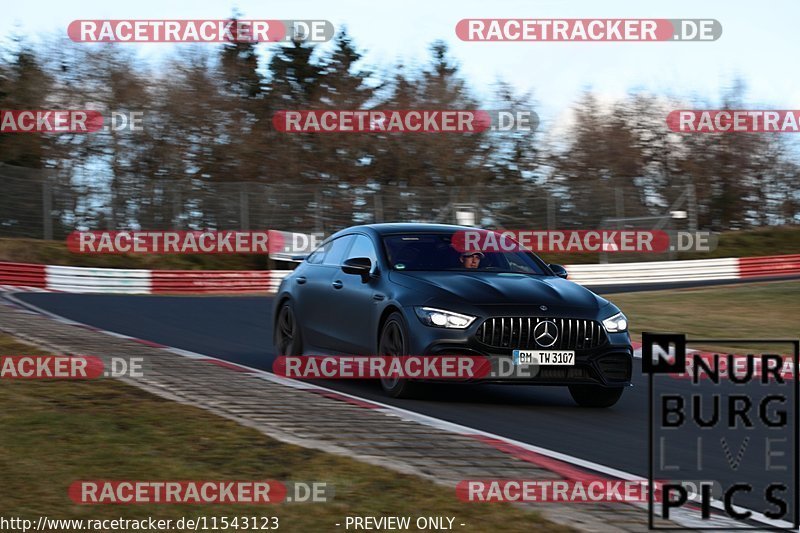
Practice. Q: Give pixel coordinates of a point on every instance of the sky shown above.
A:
(759, 42)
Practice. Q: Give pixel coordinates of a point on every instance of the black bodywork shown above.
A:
(341, 302)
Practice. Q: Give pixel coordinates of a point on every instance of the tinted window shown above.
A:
(434, 251)
(362, 247)
(335, 254)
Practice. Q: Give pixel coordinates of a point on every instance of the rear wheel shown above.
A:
(287, 332)
(595, 395)
(394, 342)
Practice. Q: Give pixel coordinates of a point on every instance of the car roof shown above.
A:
(400, 227)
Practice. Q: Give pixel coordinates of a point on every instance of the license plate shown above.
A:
(544, 357)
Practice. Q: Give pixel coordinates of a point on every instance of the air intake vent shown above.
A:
(616, 367)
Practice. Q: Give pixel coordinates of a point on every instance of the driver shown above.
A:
(471, 259)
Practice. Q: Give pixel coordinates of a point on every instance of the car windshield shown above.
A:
(435, 252)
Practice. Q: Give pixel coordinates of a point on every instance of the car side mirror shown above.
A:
(559, 271)
(359, 266)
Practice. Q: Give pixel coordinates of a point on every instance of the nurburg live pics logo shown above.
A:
(734, 424)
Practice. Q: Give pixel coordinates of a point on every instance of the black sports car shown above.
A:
(405, 289)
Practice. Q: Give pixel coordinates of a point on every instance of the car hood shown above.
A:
(498, 288)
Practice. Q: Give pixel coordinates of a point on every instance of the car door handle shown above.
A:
(337, 284)
(300, 280)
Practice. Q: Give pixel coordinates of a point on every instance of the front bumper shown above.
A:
(610, 364)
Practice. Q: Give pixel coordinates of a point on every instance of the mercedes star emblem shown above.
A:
(545, 333)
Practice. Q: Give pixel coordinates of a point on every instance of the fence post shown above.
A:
(318, 223)
(47, 209)
(691, 206)
(244, 207)
(177, 202)
(551, 212)
(378, 216)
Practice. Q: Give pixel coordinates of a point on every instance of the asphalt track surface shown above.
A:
(237, 329)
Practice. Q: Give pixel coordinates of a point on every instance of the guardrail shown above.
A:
(23, 275)
(192, 281)
(98, 280)
(775, 265)
(655, 272)
(130, 281)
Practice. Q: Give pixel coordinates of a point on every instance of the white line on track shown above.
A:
(682, 518)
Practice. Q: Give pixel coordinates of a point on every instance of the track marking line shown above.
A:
(413, 416)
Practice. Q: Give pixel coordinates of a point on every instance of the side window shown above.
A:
(338, 247)
(318, 255)
(362, 247)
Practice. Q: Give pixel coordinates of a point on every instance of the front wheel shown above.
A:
(394, 342)
(595, 395)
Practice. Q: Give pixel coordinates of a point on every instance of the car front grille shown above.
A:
(517, 333)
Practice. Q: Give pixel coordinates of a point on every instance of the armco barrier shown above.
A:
(655, 272)
(129, 281)
(776, 265)
(112, 280)
(193, 281)
(24, 275)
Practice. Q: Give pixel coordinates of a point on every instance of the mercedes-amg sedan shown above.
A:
(407, 289)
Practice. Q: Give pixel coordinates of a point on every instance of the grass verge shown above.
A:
(56, 432)
(752, 310)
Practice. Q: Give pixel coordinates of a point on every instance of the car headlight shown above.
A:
(439, 318)
(616, 323)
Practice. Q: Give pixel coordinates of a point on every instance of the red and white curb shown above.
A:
(564, 465)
